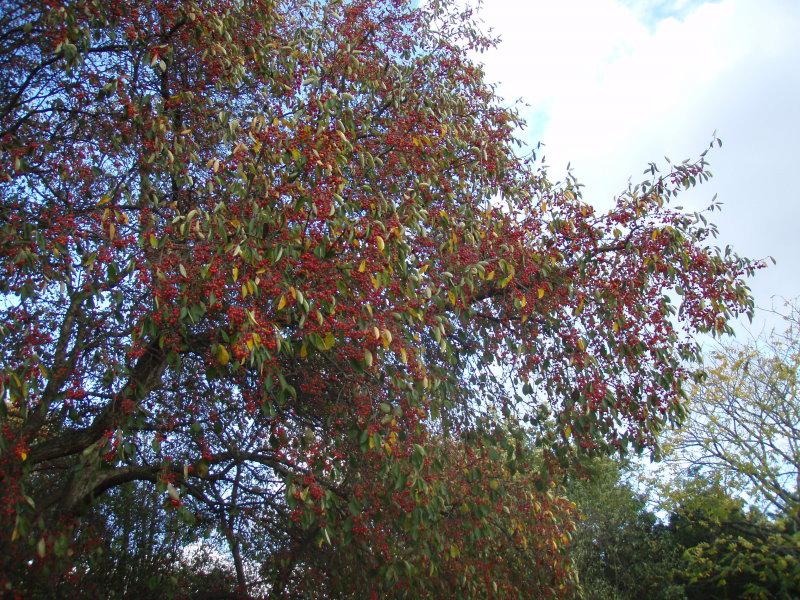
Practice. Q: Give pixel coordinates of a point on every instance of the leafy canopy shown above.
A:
(283, 258)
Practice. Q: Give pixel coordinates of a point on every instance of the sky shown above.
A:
(610, 85)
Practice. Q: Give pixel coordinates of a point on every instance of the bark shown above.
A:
(145, 376)
(233, 541)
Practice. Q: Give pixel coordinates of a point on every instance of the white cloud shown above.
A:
(613, 85)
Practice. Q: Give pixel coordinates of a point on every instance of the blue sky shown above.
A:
(614, 84)
(651, 12)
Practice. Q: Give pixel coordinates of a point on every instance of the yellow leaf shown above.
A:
(376, 332)
(615, 327)
(282, 302)
(235, 273)
(222, 355)
(363, 266)
(330, 340)
(23, 455)
(490, 276)
(452, 296)
(540, 293)
(153, 241)
(367, 357)
(424, 268)
(523, 301)
(303, 350)
(112, 231)
(655, 234)
(379, 241)
(404, 356)
(104, 200)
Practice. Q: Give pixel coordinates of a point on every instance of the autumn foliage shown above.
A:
(284, 260)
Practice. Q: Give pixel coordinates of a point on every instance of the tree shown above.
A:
(620, 548)
(742, 435)
(709, 546)
(728, 551)
(745, 420)
(282, 259)
(138, 548)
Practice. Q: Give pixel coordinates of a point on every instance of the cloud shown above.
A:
(613, 85)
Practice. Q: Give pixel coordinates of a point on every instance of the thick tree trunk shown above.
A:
(241, 581)
(145, 376)
(233, 541)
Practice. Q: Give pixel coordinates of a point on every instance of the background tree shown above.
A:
(704, 543)
(136, 547)
(729, 551)
(744, 420)
(282, 260)
(621, 550)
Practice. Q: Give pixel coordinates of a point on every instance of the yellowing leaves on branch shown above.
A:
(744, 420)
